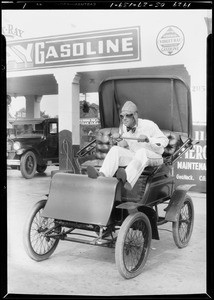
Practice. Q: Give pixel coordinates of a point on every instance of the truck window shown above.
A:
(52, 128)
(38, 128)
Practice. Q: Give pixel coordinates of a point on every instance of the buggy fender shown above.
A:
(176, 202)
(78, 198)
(148, 211)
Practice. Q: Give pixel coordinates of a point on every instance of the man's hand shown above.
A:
(143, 138)
(122, 144)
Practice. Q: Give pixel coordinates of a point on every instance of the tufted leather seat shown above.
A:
(105, 140)
(175, 142)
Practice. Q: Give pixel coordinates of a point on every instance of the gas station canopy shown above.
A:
(89, 81)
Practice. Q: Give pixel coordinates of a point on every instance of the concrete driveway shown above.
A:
(79, 269)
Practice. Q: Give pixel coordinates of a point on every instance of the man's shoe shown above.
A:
(93, 173)
(121, 175)
(128, 186)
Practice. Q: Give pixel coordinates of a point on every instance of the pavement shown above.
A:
(79, 269)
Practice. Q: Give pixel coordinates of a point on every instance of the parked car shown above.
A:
(33, 145)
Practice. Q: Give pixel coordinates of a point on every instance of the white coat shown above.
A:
(138, 155)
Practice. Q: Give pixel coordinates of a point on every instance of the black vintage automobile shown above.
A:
(33, 145)
(101, 212)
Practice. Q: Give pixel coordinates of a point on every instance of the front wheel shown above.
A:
(182, 228)
(39, 245)
(133, 245)
(28, 164)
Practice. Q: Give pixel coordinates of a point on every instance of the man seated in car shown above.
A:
(134, 155)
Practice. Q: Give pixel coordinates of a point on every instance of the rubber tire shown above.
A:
(119, 249)
(27, 233)
(23, 165)
(176, 225)
(41, 169)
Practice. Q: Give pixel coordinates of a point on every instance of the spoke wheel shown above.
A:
(182, 228)
(28, 165)
(133, 245)
(38, 245)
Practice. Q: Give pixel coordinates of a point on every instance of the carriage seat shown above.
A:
(104, 141)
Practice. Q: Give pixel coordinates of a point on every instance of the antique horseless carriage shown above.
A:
(100, 211)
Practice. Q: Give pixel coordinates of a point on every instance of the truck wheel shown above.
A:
(133, 245)
(41, 169)
(182, 228)
(28, 165)
(38, 245)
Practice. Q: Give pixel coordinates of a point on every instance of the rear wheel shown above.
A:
(28, 164)
(182, 228)
(133, 245)
(41, 169)
(38, 245)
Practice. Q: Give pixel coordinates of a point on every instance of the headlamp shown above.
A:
(16, 146)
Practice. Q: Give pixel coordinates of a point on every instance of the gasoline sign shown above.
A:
(107, 46)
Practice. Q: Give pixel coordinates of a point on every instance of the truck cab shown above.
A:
(33, 145)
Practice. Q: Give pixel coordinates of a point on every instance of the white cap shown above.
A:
(130, 108)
